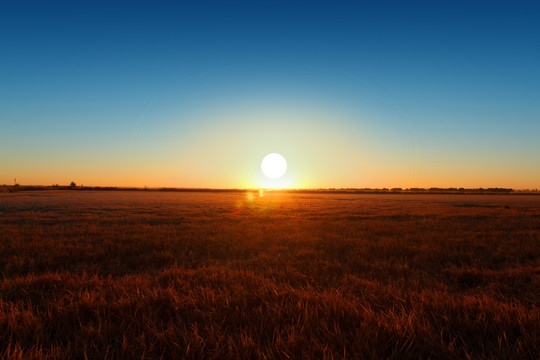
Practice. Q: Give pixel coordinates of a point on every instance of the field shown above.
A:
(203, 275)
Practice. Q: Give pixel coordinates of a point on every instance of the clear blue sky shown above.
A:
(370, 94)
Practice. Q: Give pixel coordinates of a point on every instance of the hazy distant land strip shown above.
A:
(432, 190)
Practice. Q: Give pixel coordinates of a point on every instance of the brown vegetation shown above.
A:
(236, 275)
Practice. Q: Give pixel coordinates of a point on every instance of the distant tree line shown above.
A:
(395, 190)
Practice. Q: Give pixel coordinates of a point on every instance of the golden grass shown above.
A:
(131, 275)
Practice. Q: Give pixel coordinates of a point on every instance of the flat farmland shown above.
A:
(237, 275)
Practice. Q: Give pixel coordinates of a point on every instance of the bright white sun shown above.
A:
(274, 166)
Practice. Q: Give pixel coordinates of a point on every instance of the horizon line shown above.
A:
(20, 187)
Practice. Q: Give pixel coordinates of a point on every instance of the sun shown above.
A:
(274, 166)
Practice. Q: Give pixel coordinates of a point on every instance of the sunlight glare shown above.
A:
(274, 166)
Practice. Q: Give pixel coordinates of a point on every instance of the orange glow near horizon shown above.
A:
(223, 148)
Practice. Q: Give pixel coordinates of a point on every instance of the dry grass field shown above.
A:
(148, 275)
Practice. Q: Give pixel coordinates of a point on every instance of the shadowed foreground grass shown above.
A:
(235, 275)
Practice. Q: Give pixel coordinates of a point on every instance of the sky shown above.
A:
(354, 95)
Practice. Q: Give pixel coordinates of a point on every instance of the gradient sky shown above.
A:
(372, 94)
